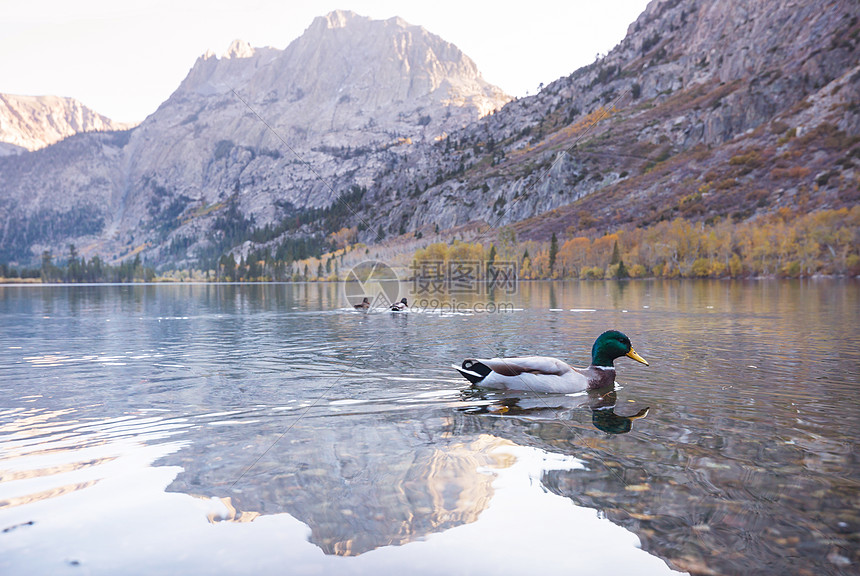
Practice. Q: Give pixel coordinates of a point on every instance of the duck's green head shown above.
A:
(610, 345)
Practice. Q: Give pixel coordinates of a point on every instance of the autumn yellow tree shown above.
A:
(573, 255)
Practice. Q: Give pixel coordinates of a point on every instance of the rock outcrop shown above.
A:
(654, 126)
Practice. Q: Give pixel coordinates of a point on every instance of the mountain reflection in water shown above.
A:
(369, 479)
(359, 482)
(431, 510)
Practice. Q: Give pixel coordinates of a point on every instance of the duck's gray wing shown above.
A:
(527, 365)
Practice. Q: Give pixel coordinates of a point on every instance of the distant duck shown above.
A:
(365, 304)
(545, 374)
(399, 306)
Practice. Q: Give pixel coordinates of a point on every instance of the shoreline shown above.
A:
(17, 282)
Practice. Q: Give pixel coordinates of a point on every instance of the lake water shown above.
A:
(223, 429)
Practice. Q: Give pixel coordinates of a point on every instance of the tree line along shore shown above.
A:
(784, 244)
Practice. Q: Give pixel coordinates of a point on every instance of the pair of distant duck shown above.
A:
(396, 307)
(544, 373)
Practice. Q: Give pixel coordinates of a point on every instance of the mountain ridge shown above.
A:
(269, 132)
(29, 123)
(706, 111)
(650, 100)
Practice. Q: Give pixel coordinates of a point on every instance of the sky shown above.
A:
(124, 58)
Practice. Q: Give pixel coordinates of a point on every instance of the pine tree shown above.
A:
(47, 266)
(553, 252)
(73, 270)
(616, 255)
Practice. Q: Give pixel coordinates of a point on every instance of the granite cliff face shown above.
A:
(260, 131)
(705, 110)
(33, 122)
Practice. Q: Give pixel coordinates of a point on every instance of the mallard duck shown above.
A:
(399, 306)
(365, 304)
(545, 374)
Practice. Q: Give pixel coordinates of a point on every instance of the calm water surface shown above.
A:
(201, 429)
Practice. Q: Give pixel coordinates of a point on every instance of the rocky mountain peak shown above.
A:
(346, 71)
(372, 64)
(239, 49)
(32, 122)
(337, 19)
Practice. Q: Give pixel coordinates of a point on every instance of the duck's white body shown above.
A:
(535, 374)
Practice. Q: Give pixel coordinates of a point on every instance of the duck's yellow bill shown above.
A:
(637, 357)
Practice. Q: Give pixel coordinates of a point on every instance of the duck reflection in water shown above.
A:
(605, 415)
